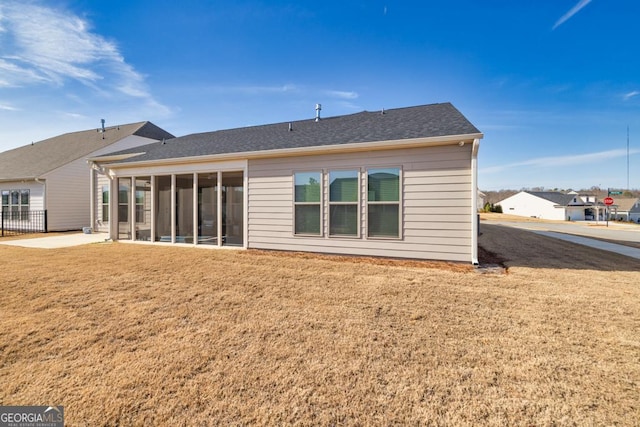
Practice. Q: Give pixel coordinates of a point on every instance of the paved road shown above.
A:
(615, 231)
(584, 234)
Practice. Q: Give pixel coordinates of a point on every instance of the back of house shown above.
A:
(394, 183)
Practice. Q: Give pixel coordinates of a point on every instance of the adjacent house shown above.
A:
(634, 212)
(53, 176)
(481, 199)
(553, 205)
(394, 183)
(621, 208)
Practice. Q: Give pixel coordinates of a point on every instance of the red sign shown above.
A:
(608, 201)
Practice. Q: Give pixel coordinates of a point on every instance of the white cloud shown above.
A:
(575, 9)
(42, 45)
(628, 96)
(341, 94)
(74, 115)
(560, 161)
(8, 107)
(257, 90)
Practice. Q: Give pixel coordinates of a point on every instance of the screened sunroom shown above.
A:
(200, 208)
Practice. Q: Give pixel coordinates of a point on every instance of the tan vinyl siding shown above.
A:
(436, 203)
(68, 195)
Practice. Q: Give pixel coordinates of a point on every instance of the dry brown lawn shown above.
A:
(125, 334)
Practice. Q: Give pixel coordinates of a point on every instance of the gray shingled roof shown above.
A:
(554, 196)
(625, 204)
(33, 160)
(396, 124)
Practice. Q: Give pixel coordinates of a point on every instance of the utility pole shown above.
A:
(628, 187)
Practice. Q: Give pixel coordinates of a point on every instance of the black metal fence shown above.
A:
(22, 222)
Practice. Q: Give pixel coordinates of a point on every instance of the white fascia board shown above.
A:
(115, 158)
(308, 151)
(20, 179)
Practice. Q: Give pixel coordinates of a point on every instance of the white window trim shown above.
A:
(319, 203)
(399, 203)
(358, 204)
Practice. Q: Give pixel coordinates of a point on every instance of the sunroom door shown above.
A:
(233, 208)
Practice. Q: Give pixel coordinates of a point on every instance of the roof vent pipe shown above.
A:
(102, 121)
(318, 108)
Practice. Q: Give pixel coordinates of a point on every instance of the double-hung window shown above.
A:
(5, 201)
(308, 203)
(105, 203)
(140, 204)
(24, 205)
(343, 202)
(383, 203)
(15, 204)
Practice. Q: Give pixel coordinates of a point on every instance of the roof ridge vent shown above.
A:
(318, 108)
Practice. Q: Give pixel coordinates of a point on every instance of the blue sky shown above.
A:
(553, 85)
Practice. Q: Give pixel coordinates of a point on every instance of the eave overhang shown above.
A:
(112, 161)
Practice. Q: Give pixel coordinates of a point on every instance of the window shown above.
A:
(343, 203)
(24, 205)
(16, 204)
(307, 203)
(383, 202)
(5, 201)
(124, 192)
(142, 187)
(105, 203)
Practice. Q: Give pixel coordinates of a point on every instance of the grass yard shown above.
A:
(124, 334)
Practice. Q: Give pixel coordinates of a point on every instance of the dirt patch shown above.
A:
(124, 334)
(523, 248)
(392, 262)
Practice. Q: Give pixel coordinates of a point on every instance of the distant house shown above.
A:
(553, 205)
(394, 183)
(481, 198)
(53, 174)
(621, 208)
(634, 212)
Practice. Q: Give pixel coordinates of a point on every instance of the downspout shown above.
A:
(92, 196)
(474, 202)
(113, 207)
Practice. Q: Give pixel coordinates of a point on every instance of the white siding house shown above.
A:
(399, 183)
(553, 205)
(53, 175)
(634, 212)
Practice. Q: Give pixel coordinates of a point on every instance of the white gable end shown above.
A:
(528, 205)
